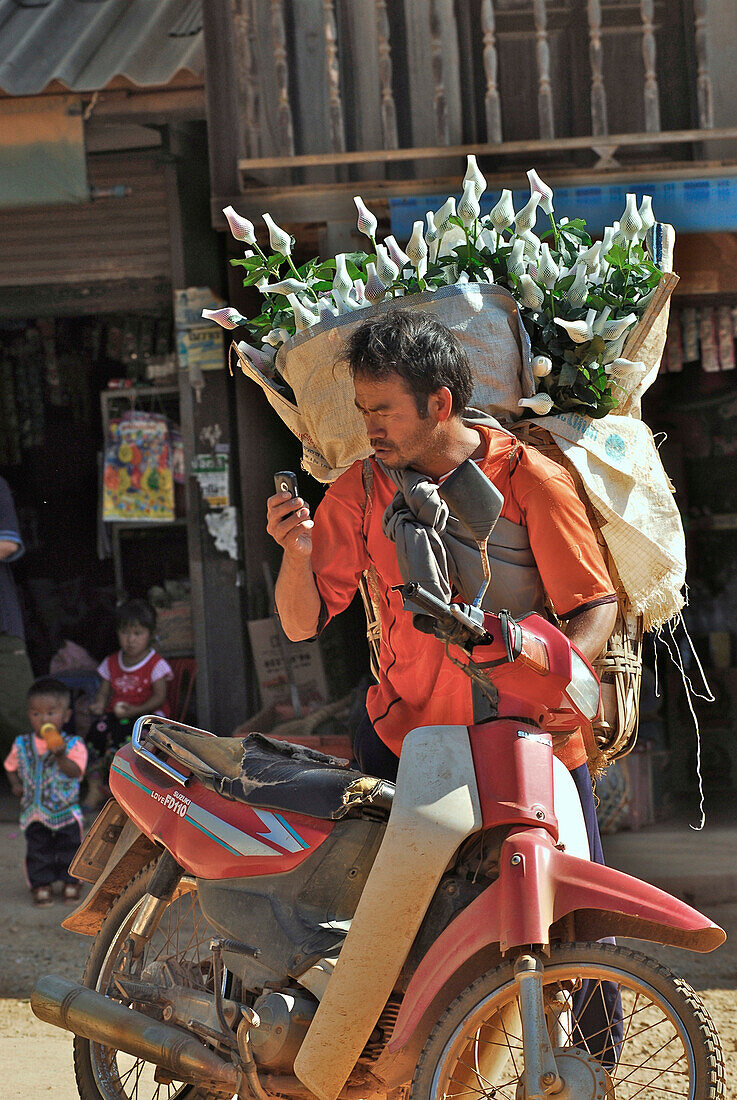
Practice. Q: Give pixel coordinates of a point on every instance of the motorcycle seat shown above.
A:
(277, 775)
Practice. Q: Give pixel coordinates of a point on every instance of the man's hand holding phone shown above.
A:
(288, 517)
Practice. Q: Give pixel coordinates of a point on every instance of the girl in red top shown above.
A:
(134, 680)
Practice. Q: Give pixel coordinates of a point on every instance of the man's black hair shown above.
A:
(49, 685)
(136, 611)
(424, 353)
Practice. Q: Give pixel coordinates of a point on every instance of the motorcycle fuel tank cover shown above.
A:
(209, 836)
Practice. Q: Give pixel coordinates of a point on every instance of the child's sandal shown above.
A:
(71, 891)
(42, 896)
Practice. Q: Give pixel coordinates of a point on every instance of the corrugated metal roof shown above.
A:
(85, 44)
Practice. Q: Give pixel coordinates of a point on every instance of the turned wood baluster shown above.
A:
(281, 69)
(245, 36)
(388, 106)
(544, 87)
(652, 95)
(704, 94)
(441, 107)
(332, 68)
(599, 124)
(492, 101)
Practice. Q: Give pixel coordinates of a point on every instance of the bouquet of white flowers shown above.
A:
(578, 300)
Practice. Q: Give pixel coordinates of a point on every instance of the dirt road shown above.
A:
(36, 1060)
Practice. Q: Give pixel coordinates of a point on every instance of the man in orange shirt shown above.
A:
(413, 382)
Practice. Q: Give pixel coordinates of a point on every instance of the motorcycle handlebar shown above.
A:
(452, 615)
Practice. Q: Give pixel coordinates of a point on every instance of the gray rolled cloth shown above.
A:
(437, 551)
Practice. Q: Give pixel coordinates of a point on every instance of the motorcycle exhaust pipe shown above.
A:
(92, 1016)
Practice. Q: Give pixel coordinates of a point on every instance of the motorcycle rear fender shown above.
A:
(111, 854)
(543, 886)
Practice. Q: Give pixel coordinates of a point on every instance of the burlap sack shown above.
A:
(323, 416)
(621, 473)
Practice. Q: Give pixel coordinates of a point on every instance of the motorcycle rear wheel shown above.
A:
(104, 1073)
(670, 1047)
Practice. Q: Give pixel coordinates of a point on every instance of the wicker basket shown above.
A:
(620, 665)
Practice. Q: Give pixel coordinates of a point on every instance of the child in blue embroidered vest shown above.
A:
(45, 768)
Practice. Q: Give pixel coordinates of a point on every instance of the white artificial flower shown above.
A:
(547, 268)
(342, 282)
(279, 239)
(227, 317)
(578, 290)
(303, 317)
(532, 295)
(473, 175)
(612, 330)
(276, 337)
(367, 222)
(538, 186)
(541, 366)
(591, 256)
(444, 214)
(468, 206)
(375, 288)
(286, 286)
(240, 227)
(647, 217)
(539, 403)
(400, 257)
(579, 331)
(630, 223)
(261, 358)
(516, 260)
(386, 268)
(502, 215)
(525, 219)
(417, 250)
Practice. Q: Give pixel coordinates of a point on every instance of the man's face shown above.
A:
(398, 434)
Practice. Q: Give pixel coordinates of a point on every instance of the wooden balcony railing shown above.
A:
(335, 91)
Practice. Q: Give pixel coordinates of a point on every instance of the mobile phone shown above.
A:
(286, 482)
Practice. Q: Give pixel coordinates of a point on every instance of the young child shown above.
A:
(45, 768)
(134, 680)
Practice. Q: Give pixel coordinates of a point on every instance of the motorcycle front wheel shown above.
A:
(182, 934)
(662, 1045)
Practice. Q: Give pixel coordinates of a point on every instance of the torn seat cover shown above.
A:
(261, 771)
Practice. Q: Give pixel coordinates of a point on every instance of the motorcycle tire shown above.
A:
(102, 1072)
(667, 1044)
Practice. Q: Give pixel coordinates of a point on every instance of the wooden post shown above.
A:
(247, 75)
(332, 72)
(703, 78)
(599, 124)
(492, 102)
(652, 96)
(544, 89)
(281, 67)
(441, 108)
(388, 106)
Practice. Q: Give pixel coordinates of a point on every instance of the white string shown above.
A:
(691, 693)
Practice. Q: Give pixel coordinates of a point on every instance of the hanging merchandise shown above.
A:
(726, 338)
(137, 482)
(708, 339)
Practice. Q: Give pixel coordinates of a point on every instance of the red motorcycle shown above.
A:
(269, 922)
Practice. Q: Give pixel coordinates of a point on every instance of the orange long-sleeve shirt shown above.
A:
(418, 685)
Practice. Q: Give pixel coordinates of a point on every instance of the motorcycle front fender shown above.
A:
(538, 885)
(113, 851)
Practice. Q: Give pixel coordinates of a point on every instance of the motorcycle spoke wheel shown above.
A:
(665, 1048)
(183, 935)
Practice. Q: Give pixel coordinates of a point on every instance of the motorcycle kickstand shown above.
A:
(541, 1078)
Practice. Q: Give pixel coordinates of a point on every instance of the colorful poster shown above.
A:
(137, 483)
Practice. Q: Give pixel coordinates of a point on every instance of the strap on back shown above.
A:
(368, 585)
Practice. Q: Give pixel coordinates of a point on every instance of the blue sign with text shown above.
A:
(691, 206)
